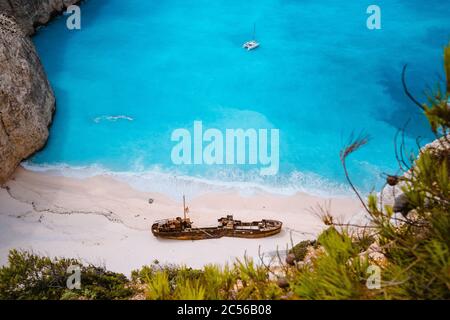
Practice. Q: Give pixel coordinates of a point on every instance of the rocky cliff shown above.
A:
(32, 13)
(26, 98)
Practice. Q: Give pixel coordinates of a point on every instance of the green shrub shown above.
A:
(218, 281)
(29, 276)
(301, 249)
(188, 289)
(338, 272)
(158, 286)
(255, 281)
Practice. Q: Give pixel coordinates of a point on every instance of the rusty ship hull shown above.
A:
(232, 228)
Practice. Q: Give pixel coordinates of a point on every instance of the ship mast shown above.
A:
(184, 206)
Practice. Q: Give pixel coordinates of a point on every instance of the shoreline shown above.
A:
(174, 184)
(103, 220)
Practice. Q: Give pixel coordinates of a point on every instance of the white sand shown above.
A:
(105, 221)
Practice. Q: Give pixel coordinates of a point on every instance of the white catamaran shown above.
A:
(252, 44)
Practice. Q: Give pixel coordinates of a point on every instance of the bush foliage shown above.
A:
(29, 276)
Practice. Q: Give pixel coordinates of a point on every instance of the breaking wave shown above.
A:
(112, 118)
(174, 184)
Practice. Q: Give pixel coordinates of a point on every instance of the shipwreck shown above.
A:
(182, 228)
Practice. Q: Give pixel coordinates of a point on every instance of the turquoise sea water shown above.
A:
(137, 70)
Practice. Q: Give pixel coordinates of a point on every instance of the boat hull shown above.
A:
(217, 232)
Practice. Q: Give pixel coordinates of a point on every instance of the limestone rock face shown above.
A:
(32, 13)
(26, 99)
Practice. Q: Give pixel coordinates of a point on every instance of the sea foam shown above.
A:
(175, 184)
(113, 118)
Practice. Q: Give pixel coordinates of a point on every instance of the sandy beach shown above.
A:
(105, 221)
